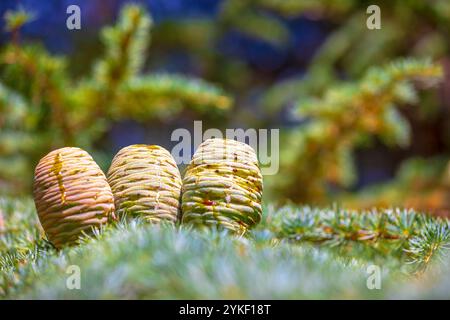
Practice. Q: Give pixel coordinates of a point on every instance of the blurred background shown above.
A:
(363, 114)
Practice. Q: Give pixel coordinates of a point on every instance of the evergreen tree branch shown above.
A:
(344, 116)
(161, 95)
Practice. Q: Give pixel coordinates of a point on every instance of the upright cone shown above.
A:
(146, 182)
(71, 195)
(223, 186)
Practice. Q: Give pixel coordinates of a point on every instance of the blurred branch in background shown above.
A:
(320, 151)
(423, 184)
(351, 47)
(42, 108)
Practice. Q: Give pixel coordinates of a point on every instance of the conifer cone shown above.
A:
(71, 195)
(146, 182)
(223, 186)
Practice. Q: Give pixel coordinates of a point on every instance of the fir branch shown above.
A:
(14, 20)
(160, 262)
(431, 244)
(125, 45)
(13, 108)
(55, 110)
(343, 117)
(253, 22)
(403, 234)
(296, 252)
(118, 91)
(47, 81)
(17, 138)
(257, 19)
(160, 95)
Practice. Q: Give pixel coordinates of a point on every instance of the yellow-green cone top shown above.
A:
(146, 182)
(223, 186)
(71, 195)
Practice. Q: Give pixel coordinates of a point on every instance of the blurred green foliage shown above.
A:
(423, 184)
(43, 108)
(347, 115)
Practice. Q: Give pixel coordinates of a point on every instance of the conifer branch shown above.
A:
(62, 111)
(167, 94)
(346, 115)
(125, 45)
